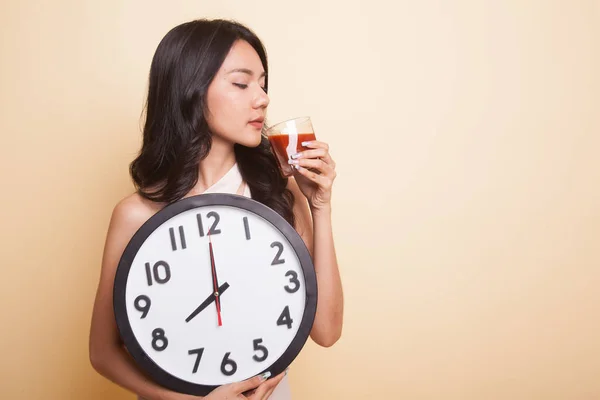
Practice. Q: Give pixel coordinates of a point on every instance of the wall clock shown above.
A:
(213, 289)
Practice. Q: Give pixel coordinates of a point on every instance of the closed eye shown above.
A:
(244, 86)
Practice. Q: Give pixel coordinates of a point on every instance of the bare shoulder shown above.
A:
(128, 215)
(132, 211)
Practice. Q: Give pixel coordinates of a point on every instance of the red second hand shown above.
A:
(219, 310)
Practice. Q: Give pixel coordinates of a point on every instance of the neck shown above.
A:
(215, 165)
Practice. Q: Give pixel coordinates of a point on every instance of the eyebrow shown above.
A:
(246, 71)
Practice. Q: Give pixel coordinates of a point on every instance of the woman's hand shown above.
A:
(317, 173)
(265, 389)
(258, 388)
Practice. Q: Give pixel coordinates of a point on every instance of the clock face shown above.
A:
(214, 289)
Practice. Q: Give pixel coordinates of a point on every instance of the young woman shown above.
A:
(206, 106)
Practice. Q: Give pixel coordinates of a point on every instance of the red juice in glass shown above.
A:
(286, 139)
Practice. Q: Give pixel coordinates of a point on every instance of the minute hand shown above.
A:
(207, 302)
(215, 280)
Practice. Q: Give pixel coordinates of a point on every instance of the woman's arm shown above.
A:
(107, 354)
(312, 209)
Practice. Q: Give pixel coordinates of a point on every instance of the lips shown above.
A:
(257, 123)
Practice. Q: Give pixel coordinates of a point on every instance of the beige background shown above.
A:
(466, 211)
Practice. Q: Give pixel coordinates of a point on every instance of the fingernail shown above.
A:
(306, 143)
(293, 161)
(297, 155)
(265, 376)
(297, 167)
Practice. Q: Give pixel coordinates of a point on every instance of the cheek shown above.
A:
(226, 107)
(236, 104)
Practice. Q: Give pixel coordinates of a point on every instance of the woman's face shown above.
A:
(236, 100)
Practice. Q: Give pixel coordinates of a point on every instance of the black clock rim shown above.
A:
(155, 372)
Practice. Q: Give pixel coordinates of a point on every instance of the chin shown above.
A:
(252, 139)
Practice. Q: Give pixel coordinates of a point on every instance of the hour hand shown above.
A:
(207, 302)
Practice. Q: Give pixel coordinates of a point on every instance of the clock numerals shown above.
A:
(228, 366)
(213, 228)
(285, 318)
(155, 273)
(259, 347)
(181, 238)
(198, 353)
(247, 228)
(293, 280)
(277, 260)
(159, 340)
(142, 304)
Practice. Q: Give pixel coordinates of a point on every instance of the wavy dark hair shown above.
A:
(176, 135)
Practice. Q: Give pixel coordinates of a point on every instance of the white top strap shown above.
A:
(231, 182)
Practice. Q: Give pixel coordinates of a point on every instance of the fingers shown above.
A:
(323, 180)
(264, 391)
(317, 171)
(315, 144)
(317, 153)
(317, 164)
(251, 383)
(322, 152)
(269, 393)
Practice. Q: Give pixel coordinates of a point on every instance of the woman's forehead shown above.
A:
(242, 58)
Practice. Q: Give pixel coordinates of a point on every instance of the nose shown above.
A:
(261, 99)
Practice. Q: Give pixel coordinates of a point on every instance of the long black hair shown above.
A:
(176, 135)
